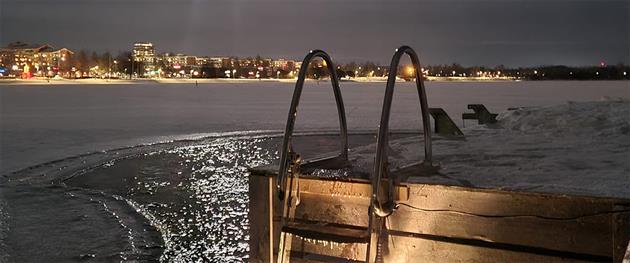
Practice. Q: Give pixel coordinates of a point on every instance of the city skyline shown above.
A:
(512, 33)
(23, 60)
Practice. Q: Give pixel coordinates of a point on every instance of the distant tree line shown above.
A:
(552, 72)
(85, 60)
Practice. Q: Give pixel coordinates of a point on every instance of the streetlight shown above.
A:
(116, 66)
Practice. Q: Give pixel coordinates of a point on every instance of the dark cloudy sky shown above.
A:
(486, 32)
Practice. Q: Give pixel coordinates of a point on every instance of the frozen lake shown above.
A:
(44, 123)
(187, 200)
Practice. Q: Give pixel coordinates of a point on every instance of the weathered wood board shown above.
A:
(438, 223)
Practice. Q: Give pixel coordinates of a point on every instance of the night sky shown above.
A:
(469, 32)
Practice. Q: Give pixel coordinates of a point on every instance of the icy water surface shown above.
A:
(196, 195)
(43, 123)
(99, 204)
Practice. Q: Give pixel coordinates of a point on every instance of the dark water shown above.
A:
(50, 223)
(195, 195)
(194, 192)
(184, 201)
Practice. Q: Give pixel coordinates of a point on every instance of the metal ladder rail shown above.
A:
(383, 209)
(288, 158)
(288, 132)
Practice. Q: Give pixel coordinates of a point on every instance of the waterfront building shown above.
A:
(144, 59)
(216, 62)
(202, 61)
(173, 60)
(246, 62)
(28, 60)
(229, 62)
(144, 52)
(191, 61)
(182, 60)
(282, 64)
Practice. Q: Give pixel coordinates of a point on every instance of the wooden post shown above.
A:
(270, 204)
(621, 233)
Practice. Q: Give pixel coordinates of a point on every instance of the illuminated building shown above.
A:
(144, 52)
(144, 58)
(282, 64)
(38, 59)
(200, 61)
(182, 60)
(216, 62)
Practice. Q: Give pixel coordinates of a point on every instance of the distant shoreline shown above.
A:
(95, 81)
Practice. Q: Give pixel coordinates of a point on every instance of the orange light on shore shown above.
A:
(410, 70)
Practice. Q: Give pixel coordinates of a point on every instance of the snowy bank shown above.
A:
(574, 148)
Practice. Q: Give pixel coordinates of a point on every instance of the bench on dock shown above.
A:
(443, 124)
(481, 114)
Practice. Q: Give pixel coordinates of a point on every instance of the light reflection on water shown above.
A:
(213, 224)
(196, 195)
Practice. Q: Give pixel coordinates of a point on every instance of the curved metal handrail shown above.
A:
(379, 210)
(380, 161)
(287, 150)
